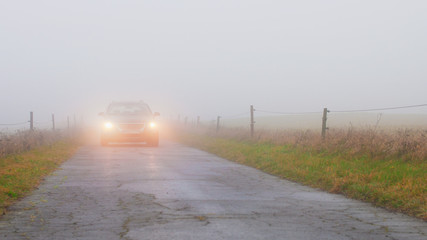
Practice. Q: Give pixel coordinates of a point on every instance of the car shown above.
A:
(129, 122)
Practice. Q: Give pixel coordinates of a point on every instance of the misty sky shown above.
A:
(209, 58)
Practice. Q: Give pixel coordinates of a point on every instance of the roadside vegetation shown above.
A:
(386, 168)
(26, 158)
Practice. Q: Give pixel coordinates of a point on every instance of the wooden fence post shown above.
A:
(31, 121)
(217, 123)
(324, 118)
(53, 122)
(252, 120)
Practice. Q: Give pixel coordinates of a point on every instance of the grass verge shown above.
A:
(393, 183)
(21, 173)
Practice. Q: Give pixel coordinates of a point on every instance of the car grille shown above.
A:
(131, 126)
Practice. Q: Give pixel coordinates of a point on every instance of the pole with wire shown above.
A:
(252, 120)
(324, 118)
(217, 123)
(53, 122)
(31, 121)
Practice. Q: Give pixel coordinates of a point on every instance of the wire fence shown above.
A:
(344, 111)
(286, 113)
(250, 115)
(32, 124)
(14, 124)
(236, 115)
(380, 109)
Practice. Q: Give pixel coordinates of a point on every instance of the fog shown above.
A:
(209, 58)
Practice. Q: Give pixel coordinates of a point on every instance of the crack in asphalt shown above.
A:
(182, 193)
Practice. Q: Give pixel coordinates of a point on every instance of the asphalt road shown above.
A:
(176, 192)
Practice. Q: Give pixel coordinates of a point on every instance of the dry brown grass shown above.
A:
(385, 167)
(406, 144)
(20, 173)
(25, 140)
(27, 156)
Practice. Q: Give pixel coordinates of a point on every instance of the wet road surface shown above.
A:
(176, 192)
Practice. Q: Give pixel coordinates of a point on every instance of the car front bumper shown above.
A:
(128, 133)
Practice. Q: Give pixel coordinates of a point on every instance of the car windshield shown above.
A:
(128, 109)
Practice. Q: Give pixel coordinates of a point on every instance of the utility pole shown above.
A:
(198, 121)
(325, 117)
(53, 122)
(252, 120)
(217, 123)
(68, 122)
(31, 121)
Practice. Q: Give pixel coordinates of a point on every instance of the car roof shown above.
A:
(128, 102)
(141, 103)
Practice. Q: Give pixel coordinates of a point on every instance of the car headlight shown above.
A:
(108, 125)
(153, 125)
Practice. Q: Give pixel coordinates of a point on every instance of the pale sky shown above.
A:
(209, 58)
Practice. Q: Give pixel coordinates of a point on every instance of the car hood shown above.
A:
(127, 118)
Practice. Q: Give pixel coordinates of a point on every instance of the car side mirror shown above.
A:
(156, 114)
(101, 114)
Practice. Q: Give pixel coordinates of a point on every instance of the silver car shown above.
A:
(129, 122)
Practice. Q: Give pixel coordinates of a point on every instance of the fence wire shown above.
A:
(286, 113)
(379, 109)
(247, 113)
(13, 124)
(236, 115)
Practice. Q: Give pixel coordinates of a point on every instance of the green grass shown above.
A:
(390, 182)
(21, 173)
